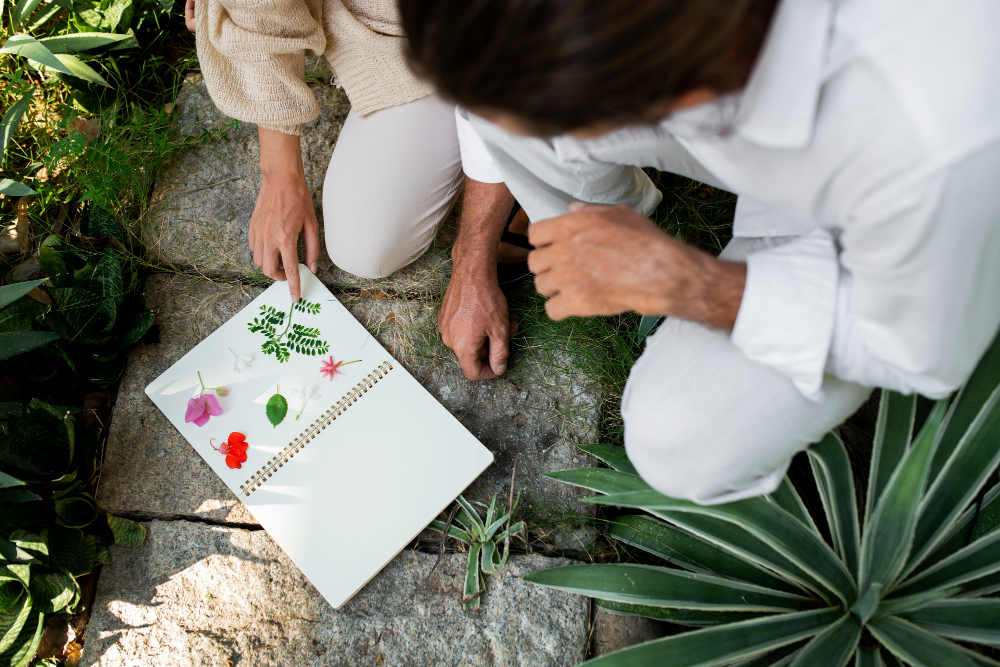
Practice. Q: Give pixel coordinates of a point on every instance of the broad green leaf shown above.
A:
(127, 533)
(9, 124)
(788, 499)
(77, 511)
(921, 648)
(13, 343)
(487, 556)
(12, 620)
(835, 481)
(601, 480)
(889, 533)
(781, 657)
(276, 409)
(691, 617)
(966, 470)
(967, 405)
(867, 603)
(976, 621)
(10, 496)
(22, 10)
(893, 433)
(140, 324)
(50, 10)
(722, 644)
(676, 546)
(70, 550)
(7, 482)
(979, 559)
(665, 587)
(472, 577)
(765, 521)
(897, 605)
(36, 447)
(612, 455)
(20, 633)
(30, 48)
(982, 586)
(646, 326)
(867, 658)
(987, 519)
(833, 647)
(82, 41)
(14, 189)
(53, 591)
(11, 293)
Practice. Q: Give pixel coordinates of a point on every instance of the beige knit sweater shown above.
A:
(252, 55)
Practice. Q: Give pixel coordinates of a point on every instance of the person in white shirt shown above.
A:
(863, 140)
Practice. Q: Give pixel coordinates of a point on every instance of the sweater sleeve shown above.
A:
(252, 56)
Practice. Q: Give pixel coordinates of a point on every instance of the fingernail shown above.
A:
(501, 368)
(312, 267)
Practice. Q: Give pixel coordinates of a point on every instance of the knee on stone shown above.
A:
(367, 258)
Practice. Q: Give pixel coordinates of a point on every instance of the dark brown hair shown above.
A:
(561, 65)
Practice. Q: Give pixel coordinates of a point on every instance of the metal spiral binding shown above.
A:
(324, 420)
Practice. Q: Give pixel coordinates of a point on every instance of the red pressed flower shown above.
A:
(234, 449)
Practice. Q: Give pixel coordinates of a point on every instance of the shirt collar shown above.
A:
(778, 106)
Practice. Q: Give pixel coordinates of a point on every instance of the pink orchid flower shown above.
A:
(200, 409)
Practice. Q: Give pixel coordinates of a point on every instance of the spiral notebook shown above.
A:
(364, 457)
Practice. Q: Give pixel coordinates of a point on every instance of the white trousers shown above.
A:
(392, 179)
(702, 421)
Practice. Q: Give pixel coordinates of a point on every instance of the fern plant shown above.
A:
(294, 337)
(908, 574)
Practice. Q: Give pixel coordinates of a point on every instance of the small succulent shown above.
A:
(489, 543)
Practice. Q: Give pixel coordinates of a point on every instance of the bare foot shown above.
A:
(508, 253)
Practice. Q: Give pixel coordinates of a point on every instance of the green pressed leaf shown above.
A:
(676, 546)
(7, 127)
(889, 533)
(77, 511)
(893, 432)
(765, 521)
(13, 343)
(976, 621)
(472, 578)
(921, 648)
(665, 587)
(788, 499)
(833, 647)
(276, 409)
(127, 533)
(835, 481)
(722, 644)
(14, 189)
(979, 559)
(612, 455)
(691, 617)
(965, 472)
(646, 326)
(82, 41)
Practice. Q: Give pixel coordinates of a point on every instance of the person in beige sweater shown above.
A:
(396, 168)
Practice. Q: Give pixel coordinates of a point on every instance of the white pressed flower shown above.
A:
(306, 395)
(240, 363)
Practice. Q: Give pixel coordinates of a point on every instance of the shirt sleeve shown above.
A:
(903, 298)
(477, 163)
(252, 56)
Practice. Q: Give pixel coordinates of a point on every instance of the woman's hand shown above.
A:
(189, 15)
(284, 210)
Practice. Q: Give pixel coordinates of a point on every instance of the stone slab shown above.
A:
(533, 413)
(613, 632)
(203, 201)
(196, 595)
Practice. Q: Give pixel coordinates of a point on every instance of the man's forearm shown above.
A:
(485, 208)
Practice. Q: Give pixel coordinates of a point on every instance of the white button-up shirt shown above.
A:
(869, 130)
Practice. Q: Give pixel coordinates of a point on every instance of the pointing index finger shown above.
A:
(291, 265)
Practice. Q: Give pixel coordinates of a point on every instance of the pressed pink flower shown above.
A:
(329, 368)
(201, 408)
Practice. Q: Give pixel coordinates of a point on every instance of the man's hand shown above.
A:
(473, 319)
(600, 260)
(284, 210)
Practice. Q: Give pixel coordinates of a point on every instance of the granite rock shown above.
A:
(617, 631)
(203, 201)
(533, 413)
(196, 595)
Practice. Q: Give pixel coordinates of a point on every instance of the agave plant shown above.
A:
(907, 574)
(486, 555)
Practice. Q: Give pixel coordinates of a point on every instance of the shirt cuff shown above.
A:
(285, 129)
(477, 163)
(786, 317)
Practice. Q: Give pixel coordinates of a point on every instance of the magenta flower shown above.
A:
(201, 408)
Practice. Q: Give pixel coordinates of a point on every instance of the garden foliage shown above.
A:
(907, 572)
